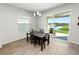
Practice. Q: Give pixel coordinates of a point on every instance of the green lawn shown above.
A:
(64, 29)
(60, 31)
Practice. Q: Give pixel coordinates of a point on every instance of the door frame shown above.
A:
(69, 10)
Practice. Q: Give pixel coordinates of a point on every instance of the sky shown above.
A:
(60, 20)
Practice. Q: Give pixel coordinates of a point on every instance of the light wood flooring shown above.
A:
(56, 47)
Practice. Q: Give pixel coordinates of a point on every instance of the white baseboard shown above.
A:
(0, 46)
(10, 41)
(73, 42)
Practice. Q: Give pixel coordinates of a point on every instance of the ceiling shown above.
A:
(34, 7)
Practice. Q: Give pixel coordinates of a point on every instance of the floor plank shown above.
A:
(56, 47)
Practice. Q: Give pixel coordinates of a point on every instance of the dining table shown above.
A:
(40, 35)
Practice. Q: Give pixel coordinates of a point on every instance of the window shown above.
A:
(23, 24)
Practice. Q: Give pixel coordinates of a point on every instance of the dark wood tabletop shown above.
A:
(39, 34)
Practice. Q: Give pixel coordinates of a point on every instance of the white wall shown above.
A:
(9, 23)
(74, 29)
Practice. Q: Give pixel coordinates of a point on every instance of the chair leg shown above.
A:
(44, 45)
(48, 42)
(39, 42)
(31, 39)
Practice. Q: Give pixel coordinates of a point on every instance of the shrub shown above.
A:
(64, 28)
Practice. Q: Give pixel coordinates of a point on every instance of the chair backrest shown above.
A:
(32, 31)
(42, 30)
(47, 36)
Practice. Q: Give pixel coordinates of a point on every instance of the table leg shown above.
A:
(41, 44)
(34, 41)
(44, 45)
(48, 39)
(27, 37)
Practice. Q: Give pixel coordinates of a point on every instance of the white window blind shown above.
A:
(23, 24)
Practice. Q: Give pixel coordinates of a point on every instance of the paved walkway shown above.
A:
(61, 36)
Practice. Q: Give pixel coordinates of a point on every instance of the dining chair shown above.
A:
(42, 30)
(46, 39)
(31, 36)
(38, 39)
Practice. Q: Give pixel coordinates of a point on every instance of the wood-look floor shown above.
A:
(56, 47)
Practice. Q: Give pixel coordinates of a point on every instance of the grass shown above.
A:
(60, 31)
(63, 29)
